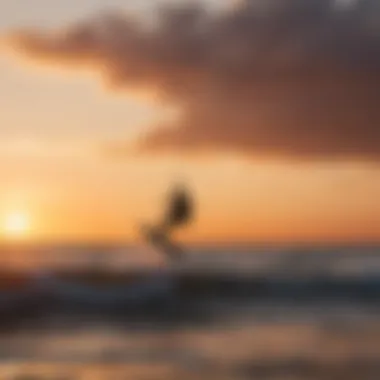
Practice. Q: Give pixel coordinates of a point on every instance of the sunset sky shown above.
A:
(269, 110)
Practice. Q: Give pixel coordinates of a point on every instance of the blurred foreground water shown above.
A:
(294, 330)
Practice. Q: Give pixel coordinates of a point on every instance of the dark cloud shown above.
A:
(297, 78)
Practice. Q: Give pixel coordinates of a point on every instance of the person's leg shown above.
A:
(169, 248)
(159, 238)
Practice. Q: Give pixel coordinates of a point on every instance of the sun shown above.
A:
(16, 224)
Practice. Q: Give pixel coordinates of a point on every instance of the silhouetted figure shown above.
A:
(178, 213)
(180, 209)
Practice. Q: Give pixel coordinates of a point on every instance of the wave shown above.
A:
(142, 290)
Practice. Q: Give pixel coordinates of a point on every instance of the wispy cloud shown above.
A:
(295, 78)
(32, 147)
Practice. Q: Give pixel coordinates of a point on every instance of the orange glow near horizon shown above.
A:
(235, 203)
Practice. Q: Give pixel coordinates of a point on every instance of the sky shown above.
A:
(268, 110)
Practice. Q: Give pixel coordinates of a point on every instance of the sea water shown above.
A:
(248, 337)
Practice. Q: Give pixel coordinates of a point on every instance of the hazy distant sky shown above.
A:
(65, 137)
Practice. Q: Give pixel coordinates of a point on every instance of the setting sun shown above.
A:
(16, 224)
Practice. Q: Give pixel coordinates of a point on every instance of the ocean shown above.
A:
(81, 313)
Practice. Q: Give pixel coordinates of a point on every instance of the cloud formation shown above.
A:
(294, 78)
